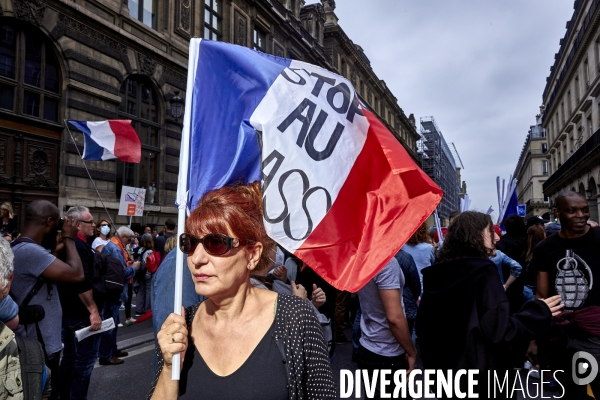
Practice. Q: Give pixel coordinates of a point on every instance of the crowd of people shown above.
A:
(478, 301)
(478, 297)
(50, 271)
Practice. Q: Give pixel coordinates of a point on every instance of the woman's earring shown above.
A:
(249, 265)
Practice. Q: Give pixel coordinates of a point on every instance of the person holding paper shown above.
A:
(80, 309)
(242, 342)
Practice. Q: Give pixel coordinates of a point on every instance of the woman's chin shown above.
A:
(204, 289)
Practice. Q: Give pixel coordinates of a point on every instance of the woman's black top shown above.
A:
(262, 376)
(298, 337)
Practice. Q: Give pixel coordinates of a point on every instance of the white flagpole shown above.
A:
(438, 226)
(498, 192)
(182, 185)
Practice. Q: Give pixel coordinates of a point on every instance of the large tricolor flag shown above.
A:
(105, 140)
(339, 191)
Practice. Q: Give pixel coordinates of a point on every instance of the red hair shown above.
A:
(420, 236)
(236, 209)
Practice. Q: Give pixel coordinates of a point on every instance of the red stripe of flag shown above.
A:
(383, 201)
(128, 147)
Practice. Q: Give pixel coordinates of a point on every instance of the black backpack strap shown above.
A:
(40, 280)
(31, 358)
(36, 288)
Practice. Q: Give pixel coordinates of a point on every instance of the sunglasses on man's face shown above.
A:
(215, 244)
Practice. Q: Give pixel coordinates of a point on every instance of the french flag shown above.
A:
(105, 140)
(339, 191)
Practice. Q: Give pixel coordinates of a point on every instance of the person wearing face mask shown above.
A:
(103, 229)
(36, 267)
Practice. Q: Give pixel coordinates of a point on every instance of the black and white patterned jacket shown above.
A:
(300, 340)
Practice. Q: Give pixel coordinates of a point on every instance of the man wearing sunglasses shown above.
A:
(80, 309)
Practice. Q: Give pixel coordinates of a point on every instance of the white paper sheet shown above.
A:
(107, 325)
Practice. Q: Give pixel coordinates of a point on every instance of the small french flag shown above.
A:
(105, 140)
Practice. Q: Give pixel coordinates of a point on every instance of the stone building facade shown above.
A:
(571, 115)
(532, 171)
(126, 59)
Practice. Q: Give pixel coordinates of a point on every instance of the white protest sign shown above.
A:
(313, 129)
(132, 201)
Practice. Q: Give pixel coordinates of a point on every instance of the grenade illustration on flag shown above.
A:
(571, 282)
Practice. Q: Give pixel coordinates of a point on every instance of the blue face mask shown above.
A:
(105, 230)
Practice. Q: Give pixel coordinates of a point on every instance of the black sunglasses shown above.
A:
(215, 244)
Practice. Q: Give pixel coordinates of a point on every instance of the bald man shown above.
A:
(35, 265)
(568, 263)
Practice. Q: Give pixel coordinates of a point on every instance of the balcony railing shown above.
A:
(588, 147)
(538, 151)
(536, 202)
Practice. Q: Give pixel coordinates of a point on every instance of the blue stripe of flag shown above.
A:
(91, 150)
(230, 83)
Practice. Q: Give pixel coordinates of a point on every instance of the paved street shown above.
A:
(130, 380)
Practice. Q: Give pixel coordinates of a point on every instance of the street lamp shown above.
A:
(176, 106)
(588, 193)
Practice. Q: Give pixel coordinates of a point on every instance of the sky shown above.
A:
(479, 67)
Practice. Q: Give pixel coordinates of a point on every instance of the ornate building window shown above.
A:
(308, 25)
(259, 40)
(343, 68)
(213, 19)
(29, 73)
(139, 103)
(144, 11)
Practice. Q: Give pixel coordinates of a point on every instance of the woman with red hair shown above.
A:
(242, 342)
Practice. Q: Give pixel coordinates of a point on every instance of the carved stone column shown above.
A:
(18, 177)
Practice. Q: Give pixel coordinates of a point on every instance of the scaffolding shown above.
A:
(439, 163)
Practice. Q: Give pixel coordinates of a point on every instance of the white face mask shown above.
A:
(105, 230)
